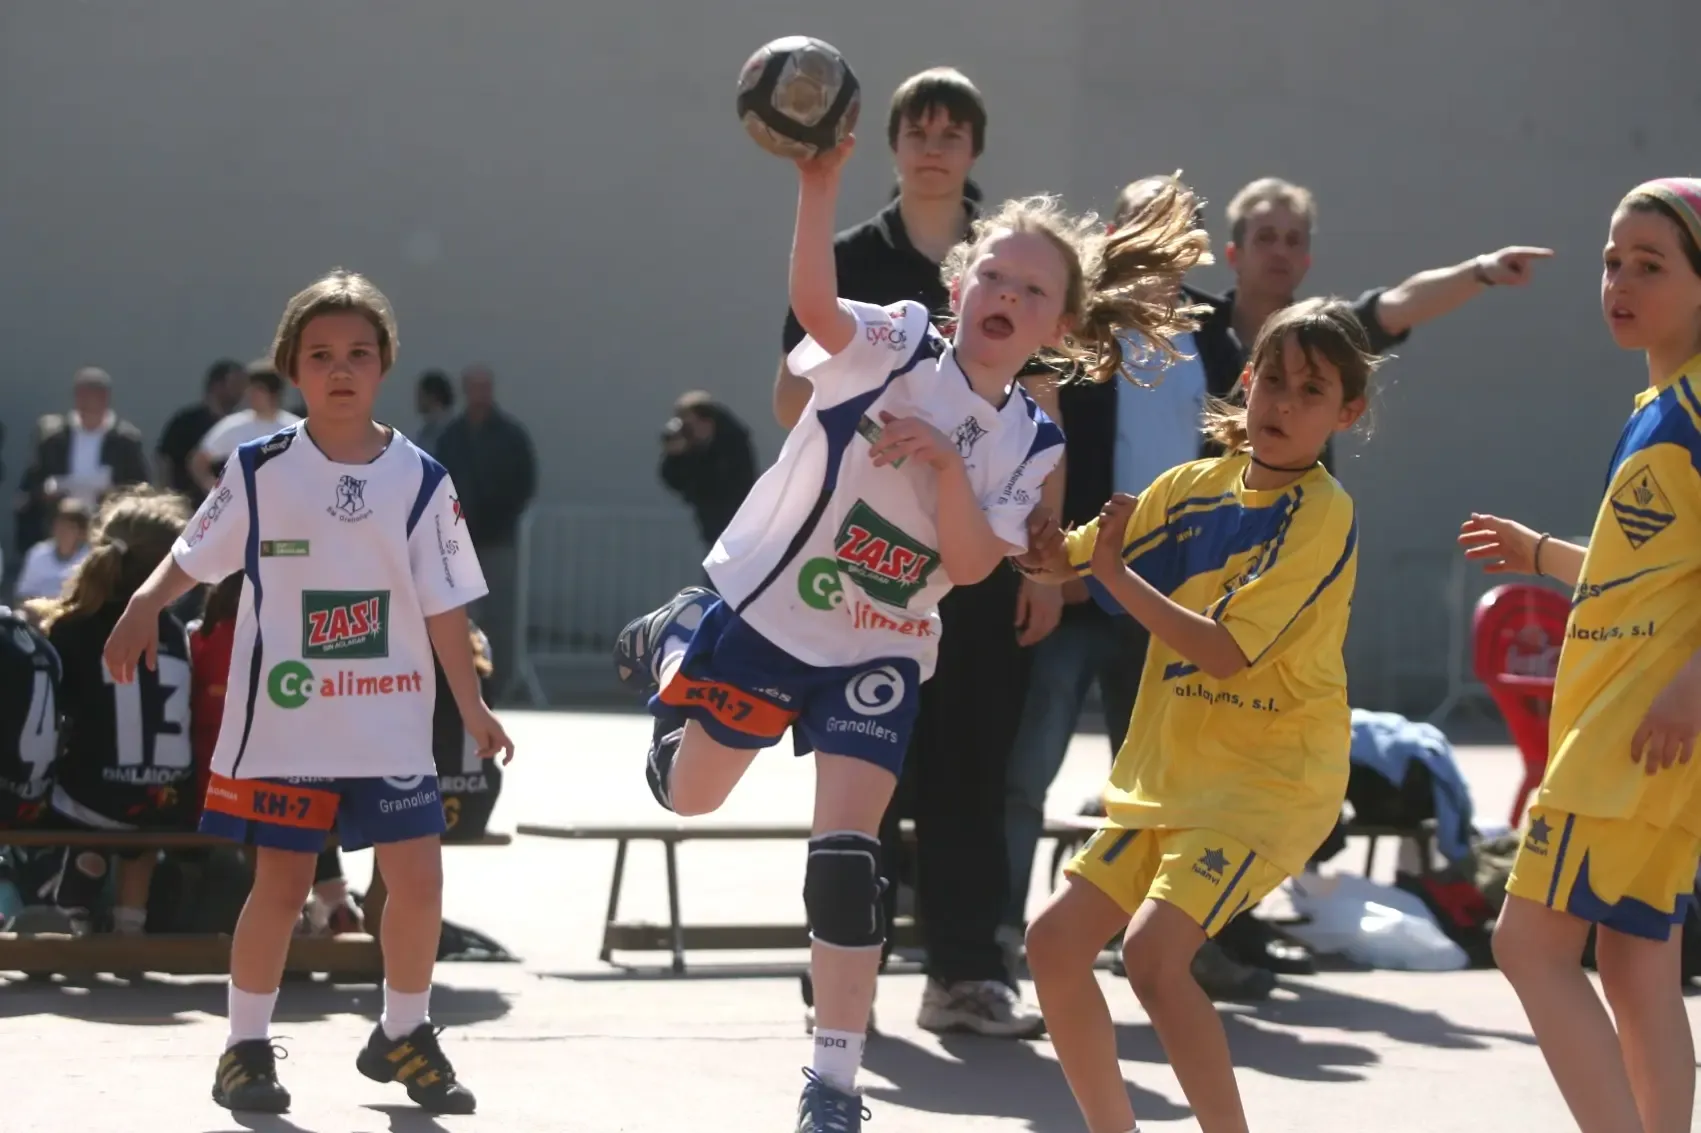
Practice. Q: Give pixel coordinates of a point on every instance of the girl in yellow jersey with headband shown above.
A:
(1615, 833)
(1235, 766)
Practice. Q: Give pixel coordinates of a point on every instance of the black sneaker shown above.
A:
(247, 1078)
(417, 1062)
(665, 738)
(635, 652)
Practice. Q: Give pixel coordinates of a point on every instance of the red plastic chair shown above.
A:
(1516, 634)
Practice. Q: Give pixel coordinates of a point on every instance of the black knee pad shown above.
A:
(841, 891)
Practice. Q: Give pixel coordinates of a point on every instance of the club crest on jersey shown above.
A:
(1641, 508)
(967, 435)
(345, 624)
(887, 564)
(350, 504)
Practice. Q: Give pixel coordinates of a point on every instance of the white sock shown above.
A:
(838, 1056)
(404, 1011)
(672, 652)
(128, 921)
(250, 1015)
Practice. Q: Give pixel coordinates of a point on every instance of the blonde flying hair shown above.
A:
(340, 291)
(1125, 281)
(1323, 330)
(132, 532)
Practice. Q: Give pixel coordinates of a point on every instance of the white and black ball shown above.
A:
(798, 97)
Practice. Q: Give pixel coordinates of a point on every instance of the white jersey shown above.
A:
(331, 667)
(237, 429)
(836, 561)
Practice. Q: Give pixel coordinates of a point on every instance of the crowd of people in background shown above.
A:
(78, 458)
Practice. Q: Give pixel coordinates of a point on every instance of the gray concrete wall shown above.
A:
(563, 191)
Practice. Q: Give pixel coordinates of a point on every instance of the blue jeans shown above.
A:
(1086, 646)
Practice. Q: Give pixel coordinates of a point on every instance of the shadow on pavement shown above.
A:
(149, 1002)
(1312, 1005)
(990, 1077)
(996, 1077)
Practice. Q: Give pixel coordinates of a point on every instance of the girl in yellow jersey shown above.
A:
(1235, 765)
(1615, 833)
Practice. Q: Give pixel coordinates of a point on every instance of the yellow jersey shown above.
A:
(1262, 755)
(1635, 618)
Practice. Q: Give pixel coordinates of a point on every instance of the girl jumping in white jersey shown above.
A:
(914, 468)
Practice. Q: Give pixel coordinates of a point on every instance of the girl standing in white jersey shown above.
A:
(356, 571)
(914, 468)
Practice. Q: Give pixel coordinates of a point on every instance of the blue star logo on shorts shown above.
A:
(1540, 832)
(1214, 861)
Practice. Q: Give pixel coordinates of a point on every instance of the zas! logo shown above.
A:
(889, 565)
(1641, 508)
(345, 625)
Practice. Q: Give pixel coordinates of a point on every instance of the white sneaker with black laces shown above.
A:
(982, 1007)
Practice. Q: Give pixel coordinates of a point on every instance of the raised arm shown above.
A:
(1433, 293)
(814, 274)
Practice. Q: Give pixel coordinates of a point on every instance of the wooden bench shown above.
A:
(678, 937)
(352, 954)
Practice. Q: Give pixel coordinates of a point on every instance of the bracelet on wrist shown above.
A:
(1536, 558)
(1480, 273)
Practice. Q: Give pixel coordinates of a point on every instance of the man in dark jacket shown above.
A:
(708, 460)
(489, 456)
(83, 454)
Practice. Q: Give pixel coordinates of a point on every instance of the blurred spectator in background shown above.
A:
(1271, 223)
(49, 563)
(707, 460)
(1118, 437)
(79, 455)
(225, 381)
(264, 416)
(434, 397)
(489, 455)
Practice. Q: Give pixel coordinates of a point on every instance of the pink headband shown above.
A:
(1681, 194)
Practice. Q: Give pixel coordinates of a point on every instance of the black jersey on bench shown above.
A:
(29, 719)
(127, 758)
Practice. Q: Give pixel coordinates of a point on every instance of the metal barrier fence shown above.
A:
(587, 570)
(1423, 653)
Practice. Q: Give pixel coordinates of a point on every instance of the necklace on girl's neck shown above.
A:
(1278, 468)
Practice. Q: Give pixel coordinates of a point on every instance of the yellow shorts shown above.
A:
(1208, 876)
(1617, 872)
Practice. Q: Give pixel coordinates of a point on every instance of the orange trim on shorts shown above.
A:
(280, 804)
(730, 705)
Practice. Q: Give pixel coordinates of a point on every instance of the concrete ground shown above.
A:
(562, 1042)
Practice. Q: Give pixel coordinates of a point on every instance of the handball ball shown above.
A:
(798, 97)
